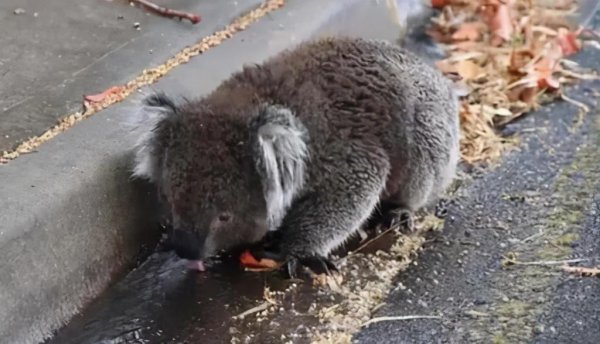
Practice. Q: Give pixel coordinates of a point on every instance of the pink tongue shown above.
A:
(196, 265)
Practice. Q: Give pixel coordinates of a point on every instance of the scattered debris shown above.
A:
(367, 278)
(147, 77)
(476, 314)
(400, 318)
(582, 271)
(167, 12)
(263, 306)
(137, 26)
(19, 11)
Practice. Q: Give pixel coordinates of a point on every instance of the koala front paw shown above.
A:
(441, 208)
(291, 263)
(319, 265)
(402, 219)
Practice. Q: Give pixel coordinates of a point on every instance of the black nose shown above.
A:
(187, 245)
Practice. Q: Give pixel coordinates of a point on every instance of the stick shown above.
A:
(368, 242)
(549, 262)
(400, 318)
(167, 12)
(252, 310)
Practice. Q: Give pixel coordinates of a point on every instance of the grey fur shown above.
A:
(281, 154)
(307, 143)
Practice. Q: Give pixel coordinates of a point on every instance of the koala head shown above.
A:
(227, 175)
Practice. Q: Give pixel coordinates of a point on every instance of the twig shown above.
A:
(534, 236)
(400, 318)
(167, 12)
(369, 242)
(549, 262)
(580, 76)
(253, 310)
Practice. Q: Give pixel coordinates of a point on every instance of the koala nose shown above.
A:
(186, 244)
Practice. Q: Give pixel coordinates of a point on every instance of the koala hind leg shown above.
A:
(414, 193)
(332, 210)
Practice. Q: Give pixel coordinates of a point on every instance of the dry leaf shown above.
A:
(519, 59)
(96, 98)
(468, 31)
(525, 93)
(567, 40)
(499, 18)
(544, 70)
(446, 67)
(252, 264)
(468, 69)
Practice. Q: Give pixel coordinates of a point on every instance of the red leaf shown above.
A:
(248, 260)
(96, 98)
(439, 3)
(567, 40)
(501, 23)
(544, 70)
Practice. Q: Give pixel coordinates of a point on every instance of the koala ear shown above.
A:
(280, 154)
(152, 122)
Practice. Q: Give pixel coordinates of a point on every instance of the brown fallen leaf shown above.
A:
(582, 271)
(96, 98)
(519, 59)
(499, 18)
(468, 70)
(446, 67)
(526, 93)
(470, 31)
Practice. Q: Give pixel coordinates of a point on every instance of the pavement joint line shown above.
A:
(146, 77)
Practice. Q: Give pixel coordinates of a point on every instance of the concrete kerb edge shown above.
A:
(73, 219)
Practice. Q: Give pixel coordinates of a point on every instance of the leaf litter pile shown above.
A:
(512, 56)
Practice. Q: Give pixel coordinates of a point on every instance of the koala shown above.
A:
(291, 156)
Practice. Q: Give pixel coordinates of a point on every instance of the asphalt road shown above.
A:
(542, 203)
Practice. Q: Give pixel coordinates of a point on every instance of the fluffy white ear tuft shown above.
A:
(280, 154)
(149, 122)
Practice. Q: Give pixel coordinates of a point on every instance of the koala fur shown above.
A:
(304, 145)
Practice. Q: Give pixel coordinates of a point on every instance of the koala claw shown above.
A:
(403, 219)
(291, 263)
(441, 209)
(317, 264)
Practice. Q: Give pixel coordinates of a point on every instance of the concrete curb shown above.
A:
(72, 218)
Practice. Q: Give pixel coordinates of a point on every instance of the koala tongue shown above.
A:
(197, 265)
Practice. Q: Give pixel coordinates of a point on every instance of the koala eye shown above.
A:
(225, 217)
